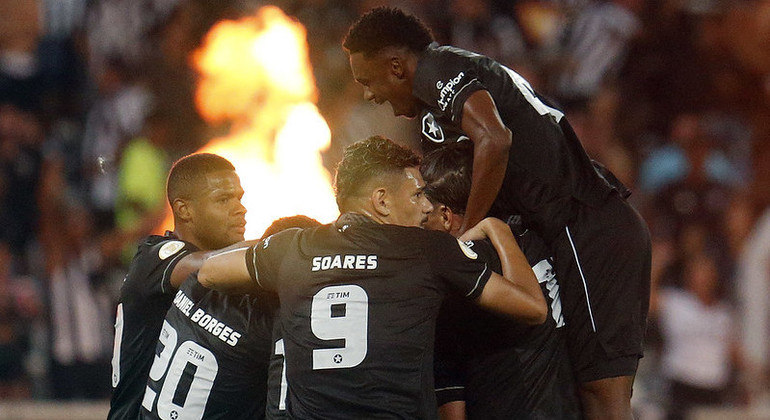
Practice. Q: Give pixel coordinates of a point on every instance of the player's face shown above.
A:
(409, 206)
(382, 83)
(219, 218)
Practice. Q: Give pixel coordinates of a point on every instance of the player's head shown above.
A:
(298, 221)
(381, 179)
(447, 174)
(205, 196)
(383, 46)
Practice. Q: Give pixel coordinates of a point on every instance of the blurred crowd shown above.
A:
(97, 99)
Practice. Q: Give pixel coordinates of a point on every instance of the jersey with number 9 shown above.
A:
(359, 301)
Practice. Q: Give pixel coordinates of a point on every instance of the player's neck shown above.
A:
(369, 214)
(185, 233)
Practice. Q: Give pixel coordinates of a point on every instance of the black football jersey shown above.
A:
(359, 301)
(277, 384)
(212, 356)
(500, 368)
(145, 297)
(548, 171)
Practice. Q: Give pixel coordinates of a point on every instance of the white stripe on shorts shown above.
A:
(582, 277)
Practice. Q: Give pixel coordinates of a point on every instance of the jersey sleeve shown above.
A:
(487, 253)
(457, 264)
(449, 383)
(444, 81)
(263, 260)
(160, 259)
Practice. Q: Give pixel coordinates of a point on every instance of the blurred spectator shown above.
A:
(475, 28)
(121, 28)
(20, 304)
(700, 350)
(595, 46)
(80, 307)
(21, 136)
(19, 64)
(142, 177)
(116, 116)
(687, 153)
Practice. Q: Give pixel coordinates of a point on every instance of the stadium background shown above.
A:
(97, 98)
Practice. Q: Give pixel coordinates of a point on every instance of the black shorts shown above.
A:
(602, 262)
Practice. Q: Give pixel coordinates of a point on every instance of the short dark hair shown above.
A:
(187, 173)
(386, 27)
(298, 221)
(447, 173)
(368, 159)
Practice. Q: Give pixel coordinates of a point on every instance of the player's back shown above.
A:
(145, 296)
(547, 169)
(214, 351)
(359, 302)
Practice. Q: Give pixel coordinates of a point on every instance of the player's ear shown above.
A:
(380, 201)
(446, 217)
(397, 67)
(182, 209)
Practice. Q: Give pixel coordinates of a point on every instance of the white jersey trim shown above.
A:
(582, 277)
(478, 280)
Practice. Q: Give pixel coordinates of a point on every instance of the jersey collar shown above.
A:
(347, 220)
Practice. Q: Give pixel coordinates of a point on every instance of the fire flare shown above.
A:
(255, 74)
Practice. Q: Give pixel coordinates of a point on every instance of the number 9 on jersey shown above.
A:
(340, 312)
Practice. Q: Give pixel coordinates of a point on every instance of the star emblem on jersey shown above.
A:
(431, 129)
(174, 415)
(337, 358)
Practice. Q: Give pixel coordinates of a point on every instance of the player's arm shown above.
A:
(226, 272)
(513, 261)
(517, 291)
(454, 410)
(492, 141)
(502, 295)
(194, 261)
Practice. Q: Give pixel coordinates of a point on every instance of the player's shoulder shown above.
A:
(483, 247)
(438, 243)
(284, 239)
(161, 247)
(415, 235)
(154, 253)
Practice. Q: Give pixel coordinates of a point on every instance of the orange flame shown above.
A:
(255, 73)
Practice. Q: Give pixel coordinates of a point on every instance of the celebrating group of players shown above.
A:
(414, 303)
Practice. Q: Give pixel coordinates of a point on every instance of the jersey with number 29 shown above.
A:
(359, 302)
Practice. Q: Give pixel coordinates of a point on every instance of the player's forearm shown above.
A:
(194, 261)
(491, 143)
(515, 266)
(453, 410)
(226, 272)
(490, 158)
(503, 296)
